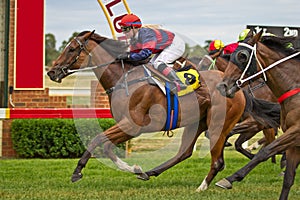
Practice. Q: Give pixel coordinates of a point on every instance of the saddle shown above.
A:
(186, 72)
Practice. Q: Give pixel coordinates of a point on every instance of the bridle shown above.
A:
(253, 52)
(82, 47)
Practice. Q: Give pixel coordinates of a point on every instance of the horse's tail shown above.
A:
(265, 112)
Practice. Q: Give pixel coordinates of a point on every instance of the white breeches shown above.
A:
(169, 54)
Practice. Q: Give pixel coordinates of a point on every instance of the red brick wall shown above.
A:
(37, 98)
(99, 98)
(7, 145)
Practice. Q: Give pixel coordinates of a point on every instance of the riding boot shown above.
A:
(171, 74)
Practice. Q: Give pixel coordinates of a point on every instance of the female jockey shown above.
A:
(166, 46)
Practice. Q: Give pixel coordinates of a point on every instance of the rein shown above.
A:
(213, 62)
(241, 81)
(90, 68)
(83, 48)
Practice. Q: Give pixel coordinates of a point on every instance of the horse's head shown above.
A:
(242, 63)
(73, 57)
(209, 61)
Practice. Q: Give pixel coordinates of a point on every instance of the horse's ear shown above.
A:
(257, 37)
(90, 35)
(218, 53)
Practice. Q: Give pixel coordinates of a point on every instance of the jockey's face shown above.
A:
(129, 32)
(126, 29)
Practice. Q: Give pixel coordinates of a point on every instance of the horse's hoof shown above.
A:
(76, 177)
(281, 173)
(224, 183)
(143, 176)
(137, 169)
(203, 186)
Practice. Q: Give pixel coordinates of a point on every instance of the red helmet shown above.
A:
(131, 20)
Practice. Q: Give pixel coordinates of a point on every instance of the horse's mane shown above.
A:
(279, 44)
(113, 47)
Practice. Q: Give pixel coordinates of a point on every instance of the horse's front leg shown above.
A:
(293, 160)
(188, 140)
(218, 133)
(217, 161)
(279, 145)
(77, 175)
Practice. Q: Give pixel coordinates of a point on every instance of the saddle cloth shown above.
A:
(189, 77)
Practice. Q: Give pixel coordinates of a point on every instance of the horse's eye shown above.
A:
(243, 56)
(71, 49)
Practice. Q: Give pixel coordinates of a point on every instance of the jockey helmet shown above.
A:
(243, 34)
(216, 45)
(131, 20)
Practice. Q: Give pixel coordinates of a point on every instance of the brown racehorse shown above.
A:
(279, 65)
(249, 127)
(139, 107)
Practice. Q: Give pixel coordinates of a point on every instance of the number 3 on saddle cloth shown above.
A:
(191, 78)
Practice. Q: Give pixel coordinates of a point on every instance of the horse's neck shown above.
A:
(279, 82)
(221, 64)
(283, 77)
(111, 75)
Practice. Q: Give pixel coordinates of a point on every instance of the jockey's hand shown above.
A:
(123, 56)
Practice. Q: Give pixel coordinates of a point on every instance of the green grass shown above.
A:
(50, 179)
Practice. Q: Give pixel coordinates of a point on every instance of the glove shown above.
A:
(123, 56)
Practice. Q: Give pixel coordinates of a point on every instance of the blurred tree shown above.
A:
(50, 52)
(195, 52)
(207, 42)
(64, 43)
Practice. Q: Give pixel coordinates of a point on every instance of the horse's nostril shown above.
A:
(50, 73)
(52, 76)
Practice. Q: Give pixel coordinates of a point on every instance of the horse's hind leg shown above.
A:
(293, 160)
(246, 130)
(243, 137)
(270, 137)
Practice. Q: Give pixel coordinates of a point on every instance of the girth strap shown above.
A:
(172, 109)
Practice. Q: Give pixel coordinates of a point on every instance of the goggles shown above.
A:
(125, 29)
